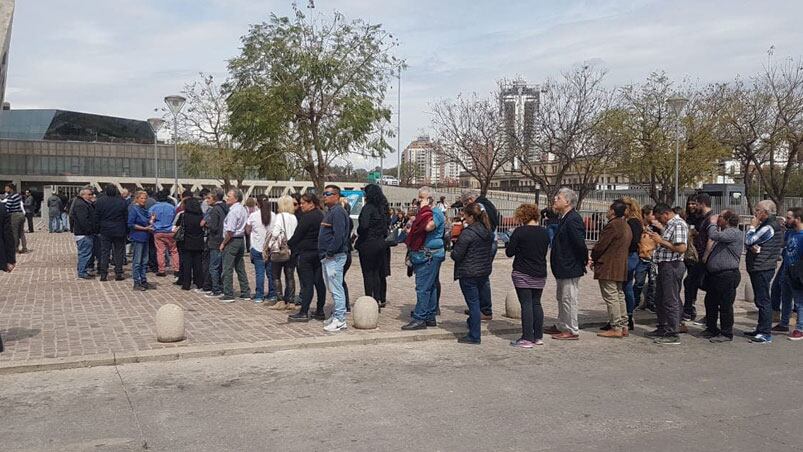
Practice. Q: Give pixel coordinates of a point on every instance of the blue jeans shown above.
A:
(260, 268)
(761, 282)
(54, 225)
(775, 290)
(633, 262)
(474, 290)
(139, 262)
(215, 269)
(65, 222)
(332, 269)
(789, 296)
(642, 277)
(426, 277)
(84, 246)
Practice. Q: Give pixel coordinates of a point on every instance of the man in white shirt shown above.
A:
(233, 247)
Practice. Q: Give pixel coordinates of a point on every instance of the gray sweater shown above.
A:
(727, 251)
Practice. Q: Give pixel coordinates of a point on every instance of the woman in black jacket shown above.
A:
(528, 246)
(472, 266)
(304, 244)
(372, 232)
(193, 246)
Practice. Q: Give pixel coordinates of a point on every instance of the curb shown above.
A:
(230, 349)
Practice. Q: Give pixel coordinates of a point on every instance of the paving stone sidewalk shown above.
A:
(46, 312)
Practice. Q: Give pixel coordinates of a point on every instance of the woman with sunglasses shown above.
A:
(304, 245)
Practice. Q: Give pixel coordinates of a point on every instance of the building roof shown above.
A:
(63, 125)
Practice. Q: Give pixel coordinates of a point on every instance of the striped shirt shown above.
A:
(676, 233)
(759, 236)
(525, 281)
(14, 203)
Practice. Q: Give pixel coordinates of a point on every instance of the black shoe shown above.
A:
(319, 315)
(415, 325)
(87, 276)
(750, 333)
(104, 277)
(719, 339)
(161, 274)
(140, 288)
(630, 324)
(607, 327)
(149, 286)
(298, 317)
(655, 333)
(119, 278)
(706, 334)
(432, 322)
(467, 340)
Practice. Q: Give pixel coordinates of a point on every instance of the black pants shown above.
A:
(691, 285)
(153, 266)
(29, 217)
(288, 268)
(721, 291)
(207, 278)
(311, 278)
(346, 267)
(192, 268)
(114, 246)
(372, 262)
(668, 304)
(94, 259)
(532, 314)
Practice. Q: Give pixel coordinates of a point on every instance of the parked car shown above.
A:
(388, 180)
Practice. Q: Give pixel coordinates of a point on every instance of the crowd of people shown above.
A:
(641, 252)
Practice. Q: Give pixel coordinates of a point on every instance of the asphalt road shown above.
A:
(591, 395)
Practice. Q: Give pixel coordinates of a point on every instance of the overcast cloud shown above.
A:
(121, 57)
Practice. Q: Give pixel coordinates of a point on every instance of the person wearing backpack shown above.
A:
(280, 256)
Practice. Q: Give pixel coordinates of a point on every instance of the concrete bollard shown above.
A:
(512, 306)
(749, 296)
(365, 313)
(170, 323)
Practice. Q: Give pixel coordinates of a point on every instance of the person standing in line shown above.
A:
(84, 227)
(332, 249)
(140, 226)
(791, 284)
(111, 214)
(153, 264)
(696, 272)
(258, 226)
(209, 201)
(425, 262)
(8, 252)
(609, 259)
(528, 247)
(372, 231)
(568, 259)
(16, 214)
(304, 245)
(647, 270)
(186, 195)
(467, 197)
(65, 209)
(29, 204)
(165, 213)
(297, 206)
(671, 245)
(635, 222)
(349, 250)
(214, 238)
(193, 245)
(54, 208)
(233, 247)
(764, 243)
(284, 226)
(775, 289)
(472, 266)
(722, 276)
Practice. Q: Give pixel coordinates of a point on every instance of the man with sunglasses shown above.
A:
(332, 248)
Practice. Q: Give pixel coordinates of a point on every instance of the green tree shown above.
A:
(311, 90)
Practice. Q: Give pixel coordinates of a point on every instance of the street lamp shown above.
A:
(175, 104)
(677, 103)
(398, 127)
(156, 125)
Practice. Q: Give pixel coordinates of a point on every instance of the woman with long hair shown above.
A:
(304, 244)
(284, 226)
(528, 246)
(372, 231)
(472, 266)
(635, 221)
(259, 224)
(193, 245)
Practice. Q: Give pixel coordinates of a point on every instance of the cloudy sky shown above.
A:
(121, 57)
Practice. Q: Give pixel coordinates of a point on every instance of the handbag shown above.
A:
(178, 234)
(282, 252)
(646, 246)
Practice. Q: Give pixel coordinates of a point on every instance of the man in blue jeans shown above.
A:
(140, 227)
(426, 256)
(333, 239)
(213, 222)
(764, 243)
(791, 287)
(84, 230)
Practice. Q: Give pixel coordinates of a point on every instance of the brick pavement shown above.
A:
(46, 312)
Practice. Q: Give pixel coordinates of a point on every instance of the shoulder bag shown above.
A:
(281, 252)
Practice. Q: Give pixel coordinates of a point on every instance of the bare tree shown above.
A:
(567, 136)
(471, 133)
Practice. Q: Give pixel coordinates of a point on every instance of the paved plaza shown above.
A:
(49, 316)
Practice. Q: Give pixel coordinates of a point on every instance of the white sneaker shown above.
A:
(335, 325)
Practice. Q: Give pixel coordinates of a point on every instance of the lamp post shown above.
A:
(156, 124)
(175, 104)
(398, 127)
(677, 103)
